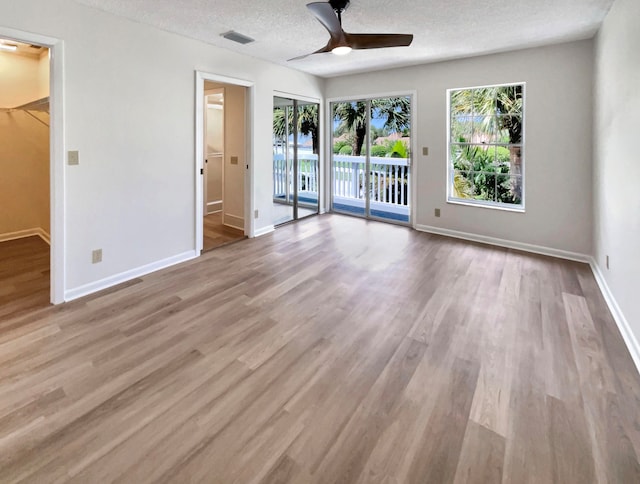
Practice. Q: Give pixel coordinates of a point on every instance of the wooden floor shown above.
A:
(24, 276)
(333, 350)
(216, 234)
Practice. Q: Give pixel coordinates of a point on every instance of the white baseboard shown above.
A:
(509, 244)
(21, 234)
(623, 325)
(264, 230)
(110, 281)
(44, 235)
(233, 221)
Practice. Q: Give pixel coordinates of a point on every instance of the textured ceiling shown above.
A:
(443, 29)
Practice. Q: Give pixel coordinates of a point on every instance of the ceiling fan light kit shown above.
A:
(329, 14)
(341, 50)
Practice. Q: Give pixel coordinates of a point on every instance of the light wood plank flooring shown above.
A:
(333, 350)
(216, 234)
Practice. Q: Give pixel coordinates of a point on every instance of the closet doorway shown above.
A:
(25, 220)
(223, 169)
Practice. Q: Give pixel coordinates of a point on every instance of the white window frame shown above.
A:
(487, 203)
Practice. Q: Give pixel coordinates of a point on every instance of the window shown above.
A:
(486, 150)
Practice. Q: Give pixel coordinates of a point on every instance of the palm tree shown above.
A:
(353, 117)
(307, 123)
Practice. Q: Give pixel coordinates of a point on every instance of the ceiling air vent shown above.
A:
(236, 37)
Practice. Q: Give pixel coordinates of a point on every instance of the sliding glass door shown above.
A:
(295, 159)
(371, 158)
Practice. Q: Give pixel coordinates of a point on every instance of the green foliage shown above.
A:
(397, 149)
(378, 150)
(501, 154)
(338, 146)
(486, 172)
(346, 150)
(462, 187)
(376, 132)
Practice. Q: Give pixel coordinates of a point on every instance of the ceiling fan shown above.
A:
(329, 14)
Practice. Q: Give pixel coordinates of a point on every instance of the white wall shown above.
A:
(129, 110)
(558, 154)
(617, 159)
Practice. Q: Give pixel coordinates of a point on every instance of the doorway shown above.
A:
(25, 195)
(296, 168)
(371, 158)
(223, 170)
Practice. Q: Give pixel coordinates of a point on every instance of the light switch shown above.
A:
(234, 160)
(425, 151)
(73, 158)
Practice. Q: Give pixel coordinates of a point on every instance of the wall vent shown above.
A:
(236, 37)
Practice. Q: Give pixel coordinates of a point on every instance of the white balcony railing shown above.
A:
(283, 178)
(388, 181)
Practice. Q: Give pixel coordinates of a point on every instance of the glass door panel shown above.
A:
(282, 160)
(348, 160)
(295, 160)
(390, 158)
(371, 158)
(307, 143)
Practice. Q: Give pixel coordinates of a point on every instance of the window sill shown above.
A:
(517, 209)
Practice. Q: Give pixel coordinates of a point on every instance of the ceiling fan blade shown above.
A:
(323, 11)
(377, 41)
(326, 48)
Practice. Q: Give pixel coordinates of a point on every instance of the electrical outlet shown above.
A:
(607, 262)
(436, 212)
(73, 158)
(96, 256)
(255, 214)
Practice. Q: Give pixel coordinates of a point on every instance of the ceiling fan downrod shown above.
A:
(339, 5)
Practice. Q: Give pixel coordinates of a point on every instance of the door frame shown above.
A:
(249, 225)
(57, 179)
(413, 95)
